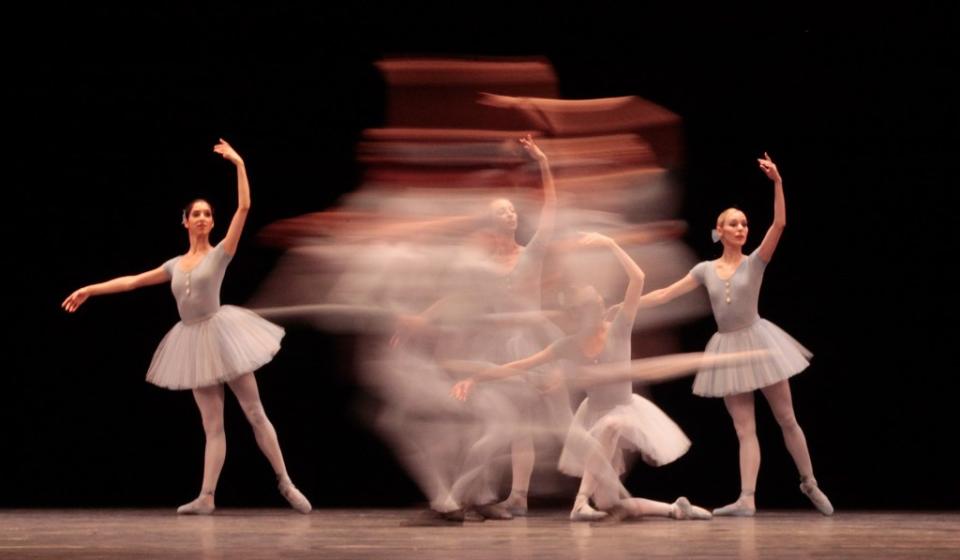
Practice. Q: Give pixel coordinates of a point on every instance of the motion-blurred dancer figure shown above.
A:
(509, 281)
(612, 419)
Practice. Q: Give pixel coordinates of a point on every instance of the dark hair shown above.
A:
(189, 208)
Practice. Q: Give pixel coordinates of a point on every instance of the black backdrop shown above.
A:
(109, 125)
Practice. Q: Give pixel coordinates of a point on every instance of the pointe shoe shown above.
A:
(436, 518)
(453, 516)
(199, 506)
(447, 510)
(516, 505)
(296, 499)
(584, 512)
(819, 499)
(471, 515)
(683, 509)
(736, 509)
(493, 511)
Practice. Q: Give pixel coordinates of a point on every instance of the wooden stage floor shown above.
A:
(399, 534)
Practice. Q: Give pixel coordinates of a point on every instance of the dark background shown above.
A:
(112, 113)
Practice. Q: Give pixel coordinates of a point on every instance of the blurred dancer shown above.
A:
(506, 279)
(612, 419)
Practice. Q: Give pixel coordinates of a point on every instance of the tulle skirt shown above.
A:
(231, 342)
(640, 426)
(786, 357)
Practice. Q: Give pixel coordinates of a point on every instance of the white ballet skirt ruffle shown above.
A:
(785, 358)
(640, 426)
(217, 349)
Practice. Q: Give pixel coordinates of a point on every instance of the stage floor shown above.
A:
(239, 534)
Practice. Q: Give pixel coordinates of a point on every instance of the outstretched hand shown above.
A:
(226, 150)
(462, 389)
(768, 167)
(531, 147)
(75, 300)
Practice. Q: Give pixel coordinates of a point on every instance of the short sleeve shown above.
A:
(168, 266)
(221, 255)
(755, 261)
(699, 272)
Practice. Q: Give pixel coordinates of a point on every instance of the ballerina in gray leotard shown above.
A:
(212, 345)
(733, 283)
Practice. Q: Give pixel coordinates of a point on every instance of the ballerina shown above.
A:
(733, 284)
(212, 345)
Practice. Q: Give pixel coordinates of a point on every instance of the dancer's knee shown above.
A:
(213, 426)
(746, 430)
(257, 416)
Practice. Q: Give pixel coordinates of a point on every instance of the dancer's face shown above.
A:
(733, 228)
(588, 308)
(199, 220)
(503, 215)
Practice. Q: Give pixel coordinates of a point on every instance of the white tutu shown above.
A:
(786, 358)
(231, 342)
(641, 425)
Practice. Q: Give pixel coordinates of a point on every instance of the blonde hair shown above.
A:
(723, 215)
